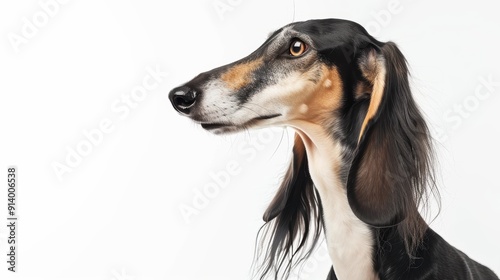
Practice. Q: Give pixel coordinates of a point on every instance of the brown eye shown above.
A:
(297, 48)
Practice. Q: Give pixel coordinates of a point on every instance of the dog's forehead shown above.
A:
(282, 36)
(284, 33)
(275, 40)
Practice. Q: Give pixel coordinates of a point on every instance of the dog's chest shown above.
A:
(349, 240)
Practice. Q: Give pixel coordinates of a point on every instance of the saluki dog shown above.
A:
(362, 156)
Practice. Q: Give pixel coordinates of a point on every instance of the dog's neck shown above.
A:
(350, 241)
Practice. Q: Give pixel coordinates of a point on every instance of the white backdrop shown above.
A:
(110, 207)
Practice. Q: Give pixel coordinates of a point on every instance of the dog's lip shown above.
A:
(266, 117)
(215, 125)
(209, 126)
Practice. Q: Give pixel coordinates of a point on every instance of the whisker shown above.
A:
(261, 107)
(222, 113)
(251, 110)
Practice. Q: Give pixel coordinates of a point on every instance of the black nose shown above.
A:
(183, 99)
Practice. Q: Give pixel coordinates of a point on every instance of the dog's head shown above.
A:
(300, 73)
(328, 74)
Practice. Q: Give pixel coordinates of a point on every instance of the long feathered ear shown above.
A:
(390, 169)
(293, 219)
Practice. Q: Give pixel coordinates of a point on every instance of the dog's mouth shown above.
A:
(210, 126)
(227, 127)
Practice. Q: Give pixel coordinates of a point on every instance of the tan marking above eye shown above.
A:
(297, 48)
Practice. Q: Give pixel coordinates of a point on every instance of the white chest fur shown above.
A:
(349, 240)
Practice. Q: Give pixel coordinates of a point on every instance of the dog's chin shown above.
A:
(221, 128)
(228, 128)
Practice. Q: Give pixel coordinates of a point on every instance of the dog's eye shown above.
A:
(297, 48)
